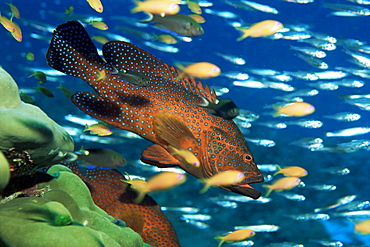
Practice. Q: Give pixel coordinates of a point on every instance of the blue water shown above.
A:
(259, 53)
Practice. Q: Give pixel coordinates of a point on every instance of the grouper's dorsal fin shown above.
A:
(197, 87)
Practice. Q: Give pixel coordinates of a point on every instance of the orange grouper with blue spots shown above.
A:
(167, 112)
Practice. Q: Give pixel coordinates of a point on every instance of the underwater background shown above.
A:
(343, 167)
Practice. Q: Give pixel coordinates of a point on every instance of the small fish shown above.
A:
(45, 91)
(309, 51)
(355, 131)
(225, 108)
(199, 70)
(236, 236)
(65, 91)
(199, 217)
(292, 171)
(225, 178)
(132, 77)
(344, 116)
(162, 47)
(69, 10)
(96, 5)
(166, 38)
(260, 29)
(160, 182)
(99, 25)
(26, 98)
(39, 75)
(99, 129)
(194, 7)
(310, 216)
(30, 56)
(102, 40)
(17, 34)
(235, 59)
(295, 109)
(310, 124)
(262, 142)
(101, 157)
(286, 183)
(338, 203)
(101, 75)
(178, 23)
(7, 24)
(157, 7)
(315, 62)
(14, 10)
(140, 186)
(259, 228)
(197, 18)
(363, 227)
(260, 7)
(185, 155)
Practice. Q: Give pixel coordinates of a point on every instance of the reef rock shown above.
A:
(26, 127)
(63, 215)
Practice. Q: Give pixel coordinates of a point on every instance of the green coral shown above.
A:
(65, 215)
(26, 127)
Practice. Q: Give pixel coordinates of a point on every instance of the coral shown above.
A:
(26, 127)
(117, 199)
(4, 172)
(63, 215)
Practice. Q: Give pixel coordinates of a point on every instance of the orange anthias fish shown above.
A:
(166, 112)
(260, 29)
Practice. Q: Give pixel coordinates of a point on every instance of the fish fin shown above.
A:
(205, 102)
(245, 34)
(172, 131)
(99, 108)
(149, 19)
(277, 172)
(158, 156)
(64, 45)
(269, 189)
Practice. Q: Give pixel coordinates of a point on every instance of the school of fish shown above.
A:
(289, 77)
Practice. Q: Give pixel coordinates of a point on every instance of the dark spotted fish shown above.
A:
(166, 113)
(117, 199)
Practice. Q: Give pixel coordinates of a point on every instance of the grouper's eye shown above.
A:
(248, 157)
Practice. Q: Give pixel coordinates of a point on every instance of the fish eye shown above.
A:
(248, 157)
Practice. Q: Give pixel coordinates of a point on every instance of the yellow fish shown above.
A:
(363, 227)
(99, 25)
(236, 236)
(100, 39)
(188, 157)
(292, 171)
(159, 182)
(157, 7)
(260, 29)
(194, 7)
(295, 109)
(96, 5)
(17, 33)
(286, 183)
(14, 11)
(7, 24)
(199, 70)
(225, 178)
(99, 129)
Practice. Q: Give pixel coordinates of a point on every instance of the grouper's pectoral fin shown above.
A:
(171, 130)
(158, 156)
